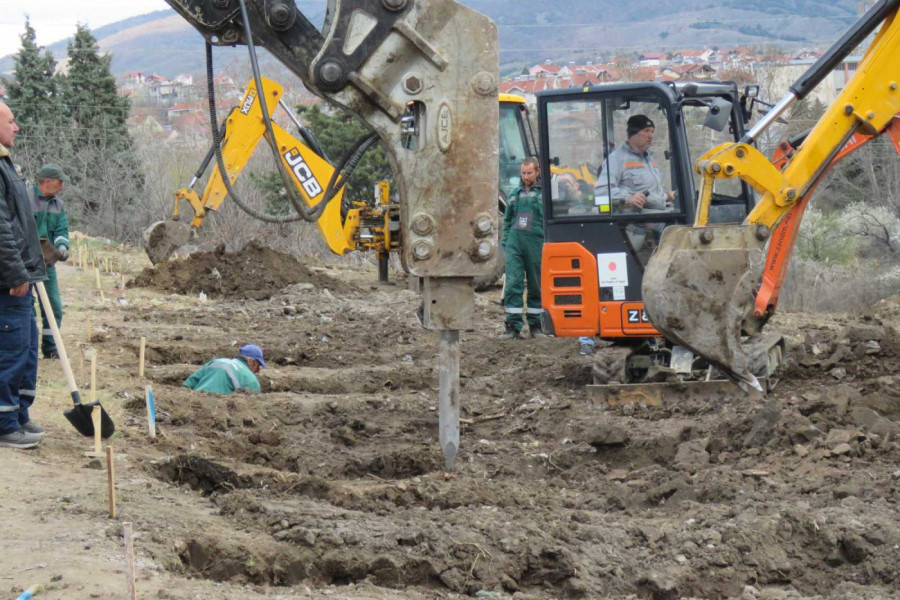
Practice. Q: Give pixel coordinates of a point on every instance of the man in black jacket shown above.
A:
(21, 265)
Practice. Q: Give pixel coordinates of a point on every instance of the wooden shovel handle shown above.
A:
(57, 337)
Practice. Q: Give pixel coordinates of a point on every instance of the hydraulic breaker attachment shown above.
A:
(698, 290)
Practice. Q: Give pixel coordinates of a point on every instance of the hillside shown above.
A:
(530, 30)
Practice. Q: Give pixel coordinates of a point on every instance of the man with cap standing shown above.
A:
(21, 265)
(523, 241)
(52, 225)
(227, 375)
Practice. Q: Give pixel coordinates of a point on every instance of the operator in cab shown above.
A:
(228, 375)
(629, 178)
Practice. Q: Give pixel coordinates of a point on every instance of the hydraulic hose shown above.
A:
(221, 162)
(349, 160)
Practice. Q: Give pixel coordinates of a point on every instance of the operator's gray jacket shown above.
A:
(626, 172)
(20, 250)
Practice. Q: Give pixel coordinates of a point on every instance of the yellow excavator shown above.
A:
(345, 225)
(364, 226)
(711, 288)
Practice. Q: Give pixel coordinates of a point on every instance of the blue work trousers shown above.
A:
(18, 360)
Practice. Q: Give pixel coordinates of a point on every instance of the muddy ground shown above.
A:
(329, 483)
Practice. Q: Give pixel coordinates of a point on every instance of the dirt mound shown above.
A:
(256, 272)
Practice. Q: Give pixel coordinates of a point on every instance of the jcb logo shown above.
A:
(248, 103)
(637, 316)
(303, 173)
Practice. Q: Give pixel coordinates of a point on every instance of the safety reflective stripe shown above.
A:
(535, 311)
(5, 409)
(229, 370)
(47, 333)
(62, 238)
(514, 311)
(27, 393)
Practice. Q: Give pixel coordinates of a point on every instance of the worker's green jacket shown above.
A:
(523, 221)
(50, 217)
(223, 376)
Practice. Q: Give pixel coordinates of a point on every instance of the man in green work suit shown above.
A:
(52, 225)
(227, 375)
(523, 241)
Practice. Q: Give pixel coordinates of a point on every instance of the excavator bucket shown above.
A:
(164, 237)
(698, 288)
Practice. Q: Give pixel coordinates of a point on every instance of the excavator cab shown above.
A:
(597, 242)
(516, 142)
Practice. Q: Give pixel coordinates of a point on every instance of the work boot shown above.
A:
(537, 332)
(20, 439)
(511, 333)
(52, 355)
(32, 427)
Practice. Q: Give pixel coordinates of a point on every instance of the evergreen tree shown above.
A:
(34, 97)
(338, 133)
(98, 112)
(104, 165)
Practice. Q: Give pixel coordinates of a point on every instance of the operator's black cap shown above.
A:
(637, 123)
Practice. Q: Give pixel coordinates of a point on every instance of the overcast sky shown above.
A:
(54, 20)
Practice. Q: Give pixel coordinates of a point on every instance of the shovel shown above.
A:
(80, 414)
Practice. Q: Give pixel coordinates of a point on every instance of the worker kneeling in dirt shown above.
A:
(227, 375)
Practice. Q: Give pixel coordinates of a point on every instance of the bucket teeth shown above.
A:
(698, 287)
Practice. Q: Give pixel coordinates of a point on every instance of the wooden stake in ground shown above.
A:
(99, 287)
(94, 376)
(81, 362)
(111, 481)
(151, 412)
(141, 356)
(95, 417)
(129, 558)
(87, 328)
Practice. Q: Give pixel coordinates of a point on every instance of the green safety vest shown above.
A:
(50, 217)
(524, 207)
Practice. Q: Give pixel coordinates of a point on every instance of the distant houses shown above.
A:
(688, 64)
(176, 110)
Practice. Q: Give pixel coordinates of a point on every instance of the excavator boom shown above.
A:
(423, 76)
(699, 285)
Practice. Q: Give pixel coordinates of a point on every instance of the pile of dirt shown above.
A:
(256, 272)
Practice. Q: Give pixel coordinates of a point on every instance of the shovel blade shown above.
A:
(80, 418)
(698, 288)
(163, 238)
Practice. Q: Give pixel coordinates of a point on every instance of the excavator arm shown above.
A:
(244, 130)
(704, 287)
(423, 76)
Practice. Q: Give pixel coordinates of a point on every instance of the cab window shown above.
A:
(512, 146)
(594, 168)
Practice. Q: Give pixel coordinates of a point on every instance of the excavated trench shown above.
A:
(333, 476)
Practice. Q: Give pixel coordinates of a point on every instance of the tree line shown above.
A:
(75, 117)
